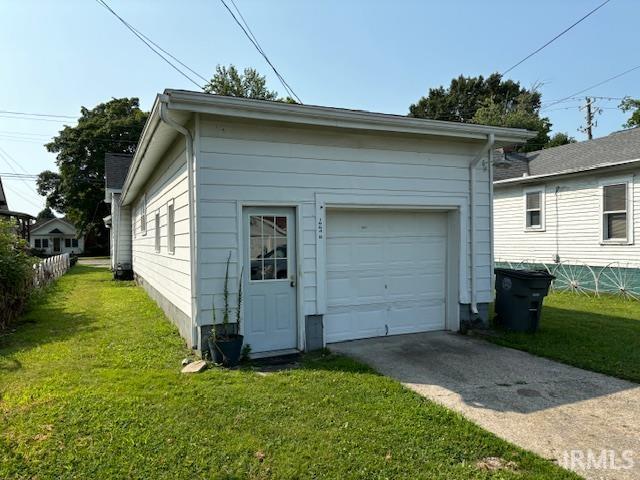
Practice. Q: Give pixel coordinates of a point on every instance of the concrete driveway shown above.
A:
(560, 412)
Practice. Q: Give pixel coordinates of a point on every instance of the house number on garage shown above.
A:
(320, 228)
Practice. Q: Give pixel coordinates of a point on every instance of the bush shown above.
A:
(16, 273)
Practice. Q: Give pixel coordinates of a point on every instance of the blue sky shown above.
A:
(375, 55)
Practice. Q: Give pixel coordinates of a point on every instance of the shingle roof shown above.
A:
(39, 223)
(116, 167)
(616, 147)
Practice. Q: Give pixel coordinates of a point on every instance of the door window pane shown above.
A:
(256, 269)
(281, 269)
(268, 247)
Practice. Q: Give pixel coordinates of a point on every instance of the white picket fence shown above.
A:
(50, 268)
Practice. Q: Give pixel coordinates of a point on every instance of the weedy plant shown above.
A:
(225, 341)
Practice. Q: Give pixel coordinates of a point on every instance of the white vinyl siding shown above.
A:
(169, 274)
(574, 221)
(260, 164)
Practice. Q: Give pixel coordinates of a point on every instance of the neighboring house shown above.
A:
(345, 224)
(53, 236)
(116, 167)
(574, 204)
(23, 221)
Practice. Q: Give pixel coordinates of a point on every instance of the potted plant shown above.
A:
(225, 341)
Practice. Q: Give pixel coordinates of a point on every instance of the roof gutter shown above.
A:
(572, 171)
(147, 134)
(472, 214)
(245, 108)
(193, 260)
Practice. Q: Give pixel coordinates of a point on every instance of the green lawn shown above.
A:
(90, 388)
(600, 334)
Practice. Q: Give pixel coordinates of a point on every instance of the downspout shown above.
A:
(193, 263)
(472, 214)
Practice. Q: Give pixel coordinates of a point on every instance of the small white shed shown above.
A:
(346, 224)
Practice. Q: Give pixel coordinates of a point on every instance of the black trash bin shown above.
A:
(519, 295)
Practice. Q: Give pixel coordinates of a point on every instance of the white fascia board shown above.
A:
(336, 117)
(573, 171)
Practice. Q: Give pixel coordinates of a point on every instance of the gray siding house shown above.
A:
(572, 206)
(340, 224)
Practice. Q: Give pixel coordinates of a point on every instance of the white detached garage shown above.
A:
(345, 224)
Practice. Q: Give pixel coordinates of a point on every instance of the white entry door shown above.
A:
(269, 278)
(386, 273)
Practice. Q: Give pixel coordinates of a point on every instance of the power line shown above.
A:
(556, 37)
(26, 199)
(593, 86)
(255, 43)
(37, 114)
(143, 39)
(17, 117)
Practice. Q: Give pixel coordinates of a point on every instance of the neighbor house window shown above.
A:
(171, 228)
(74, 243)
(614, 212)
(38, 243)
(67, 243)
(45, 243)
(157, 231)
(534, 209)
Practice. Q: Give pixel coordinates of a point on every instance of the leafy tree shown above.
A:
(249, 84)
(558, 139)
(77, 189)
(516, 115)
(489, 101)
(631, 104)
(45, 214)
(465, 95)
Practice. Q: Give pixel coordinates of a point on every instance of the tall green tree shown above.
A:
(77, 188)
(249, 84)
(490, 101)
(45, 214)
(633, 105)
(558, 139)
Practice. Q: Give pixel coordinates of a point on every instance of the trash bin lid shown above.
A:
(524, 274)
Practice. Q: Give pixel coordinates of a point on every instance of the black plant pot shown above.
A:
(226, 350)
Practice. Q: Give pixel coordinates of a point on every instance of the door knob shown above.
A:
(293, 281)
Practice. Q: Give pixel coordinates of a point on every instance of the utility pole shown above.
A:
(591, 113)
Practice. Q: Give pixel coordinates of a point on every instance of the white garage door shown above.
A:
(385, 273)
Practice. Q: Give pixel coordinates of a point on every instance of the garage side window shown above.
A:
(534, 210)
(614, 212)
(268, 247)
(157, 232)
(171, 228)
(143, 216)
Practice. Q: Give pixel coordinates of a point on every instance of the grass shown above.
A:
(601, 334)
(90, 388)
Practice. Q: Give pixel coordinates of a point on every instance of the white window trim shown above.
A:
(143, 216)
(543, 216)
(171, 228)
(629, 181)
(157, 234)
